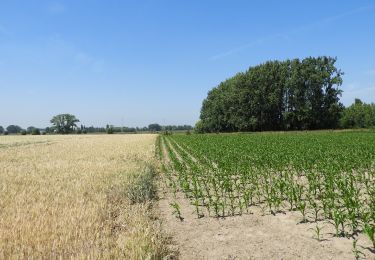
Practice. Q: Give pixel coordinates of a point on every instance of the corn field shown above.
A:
(326, 176)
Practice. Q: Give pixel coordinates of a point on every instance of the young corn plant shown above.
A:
(369, 230)
(176, 210)
(302, 208)
(338, 220)
(357, 253)
(317, 232)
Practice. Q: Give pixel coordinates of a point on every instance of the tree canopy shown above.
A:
(64, 123)
(276, 95)
(154, 127)
(30, 129)
(359, 115)
(14, 129)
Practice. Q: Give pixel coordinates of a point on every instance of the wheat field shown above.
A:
(80, 196)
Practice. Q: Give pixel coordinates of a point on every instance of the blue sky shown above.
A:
(138, 62)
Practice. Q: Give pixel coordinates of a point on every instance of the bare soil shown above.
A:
(251, 236)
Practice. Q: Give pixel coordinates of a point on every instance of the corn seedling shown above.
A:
(176, 210)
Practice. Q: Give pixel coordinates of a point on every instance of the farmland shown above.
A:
(78, 197)
(327, 178)
(268, 195)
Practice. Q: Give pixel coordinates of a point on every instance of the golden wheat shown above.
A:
(66, 196)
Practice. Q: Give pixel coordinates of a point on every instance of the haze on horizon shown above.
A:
(139, 62)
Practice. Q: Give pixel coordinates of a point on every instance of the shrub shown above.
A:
(198, 129)
(84, 131)
(79, 131)
(6, 133)
(14, 129)
(35, 131)
(110, 130)
(142, 188)
(23, 132)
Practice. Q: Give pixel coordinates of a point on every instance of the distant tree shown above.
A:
(64, 123)
(199, 127)
(35, 131)
(109, 130)
(128, 129)
(358, 115)
(177, 127)
(154, 127)
(1, 129)
(23, 132)
(14, 129)
(5, 133)
(30, 129)
(92, 129)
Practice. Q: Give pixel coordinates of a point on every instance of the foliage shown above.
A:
(142, 188)
(30, 129)
(357, 253)
(154, 127)
(14, 129)
(276, 95)
(199, 127)
(1, 129)
(92, 129)
(176, 210)
(64, 123)
(35, 131)
(177, 127)
(23, 132)
(359, 115)
(109, 130)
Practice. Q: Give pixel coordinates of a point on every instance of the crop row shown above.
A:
(323, 175)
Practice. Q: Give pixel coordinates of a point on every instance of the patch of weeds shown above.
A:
(142, 188)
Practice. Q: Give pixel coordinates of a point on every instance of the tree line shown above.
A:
(358, 115)
(280, 95)
(68, 124)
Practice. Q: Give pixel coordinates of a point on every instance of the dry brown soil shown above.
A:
(251, 236)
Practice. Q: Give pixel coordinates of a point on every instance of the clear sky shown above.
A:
(138, 62)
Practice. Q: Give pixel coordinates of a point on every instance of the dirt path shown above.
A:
(251, 236)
